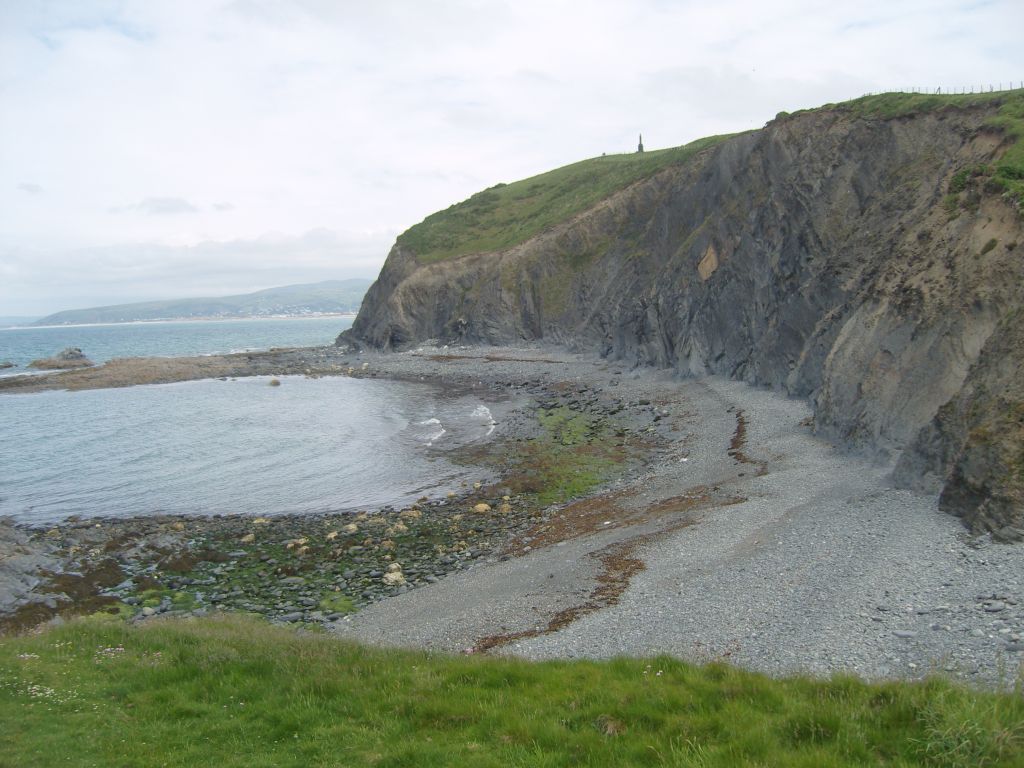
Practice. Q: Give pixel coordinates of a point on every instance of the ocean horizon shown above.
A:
(101, 342)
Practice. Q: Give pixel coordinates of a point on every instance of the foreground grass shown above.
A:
(234, 691)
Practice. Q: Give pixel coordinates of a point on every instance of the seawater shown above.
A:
(166, 339)
(236, 446)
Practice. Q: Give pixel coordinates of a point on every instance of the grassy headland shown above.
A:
(234, 691)
(506, 215)
(509, 214)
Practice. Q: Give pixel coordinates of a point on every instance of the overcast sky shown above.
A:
(165, 148)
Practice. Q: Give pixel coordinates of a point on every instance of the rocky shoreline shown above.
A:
(311, 569)
(723, 529)
(289, 568)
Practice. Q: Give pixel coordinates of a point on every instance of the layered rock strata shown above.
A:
(857, 262)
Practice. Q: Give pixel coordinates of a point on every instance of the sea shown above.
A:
(175, 338)
(238, 446)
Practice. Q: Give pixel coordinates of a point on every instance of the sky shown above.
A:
(168, 148)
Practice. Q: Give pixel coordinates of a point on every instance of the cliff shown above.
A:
(862, 255)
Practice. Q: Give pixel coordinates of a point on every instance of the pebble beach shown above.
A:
(720, 528)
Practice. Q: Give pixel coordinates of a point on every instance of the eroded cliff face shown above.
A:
(822, 255)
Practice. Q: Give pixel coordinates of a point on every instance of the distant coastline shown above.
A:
(324, 299)
(164, 337)
(167, 320)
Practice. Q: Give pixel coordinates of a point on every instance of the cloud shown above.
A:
(157, 206)
(354, 117)
(30, 188)
(162, 205)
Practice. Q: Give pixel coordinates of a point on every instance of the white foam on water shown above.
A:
(432, 435)
(483, 413)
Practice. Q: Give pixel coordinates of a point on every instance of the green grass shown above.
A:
(893, 105)
(233, 691)
(509, 214)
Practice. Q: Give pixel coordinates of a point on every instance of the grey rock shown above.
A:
(692, 277)
(71, 357)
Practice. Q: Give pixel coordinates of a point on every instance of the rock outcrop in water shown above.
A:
(866, 259)
(69, 358)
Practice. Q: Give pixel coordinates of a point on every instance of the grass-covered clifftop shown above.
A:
(877, 238)
(508, 214)
(233, 691)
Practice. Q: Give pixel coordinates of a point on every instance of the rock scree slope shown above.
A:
(867, 256)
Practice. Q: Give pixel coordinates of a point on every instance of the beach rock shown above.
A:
(72, 357)
(21, 562)
(394, 576)
(4, 364)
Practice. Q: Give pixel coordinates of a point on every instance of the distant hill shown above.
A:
(330, 296)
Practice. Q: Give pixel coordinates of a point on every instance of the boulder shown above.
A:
(394, 576)
(72, 357)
